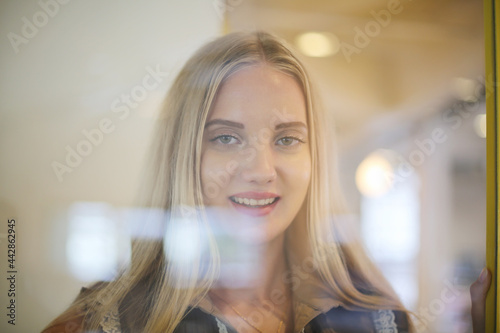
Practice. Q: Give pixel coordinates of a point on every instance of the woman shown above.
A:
(253, 235)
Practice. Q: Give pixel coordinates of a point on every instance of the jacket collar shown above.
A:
(309, 300)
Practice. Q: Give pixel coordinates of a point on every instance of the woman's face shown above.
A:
(256, 163)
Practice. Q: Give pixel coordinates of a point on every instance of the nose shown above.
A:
(259, 166)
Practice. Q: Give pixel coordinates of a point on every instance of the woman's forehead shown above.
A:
(259, 92)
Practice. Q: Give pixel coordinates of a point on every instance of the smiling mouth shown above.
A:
(254, 203)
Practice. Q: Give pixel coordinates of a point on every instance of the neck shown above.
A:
(265, 268)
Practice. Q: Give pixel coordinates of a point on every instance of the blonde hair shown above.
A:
(155, 292)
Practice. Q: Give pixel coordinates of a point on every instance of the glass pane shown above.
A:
(83, 84)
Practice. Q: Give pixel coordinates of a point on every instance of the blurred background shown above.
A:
(82, 81)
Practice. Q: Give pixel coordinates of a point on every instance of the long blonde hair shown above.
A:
(154, 292)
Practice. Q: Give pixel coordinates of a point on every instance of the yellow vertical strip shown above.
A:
(494, 83)
(491, 16)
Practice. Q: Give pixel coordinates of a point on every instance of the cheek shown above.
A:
(299, 174)
(214, 177)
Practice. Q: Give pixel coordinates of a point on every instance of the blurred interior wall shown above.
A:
(81, 82)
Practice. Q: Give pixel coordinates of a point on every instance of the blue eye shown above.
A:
(225, 139)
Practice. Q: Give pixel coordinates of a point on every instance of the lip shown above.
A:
(257, 211)
(255, 195)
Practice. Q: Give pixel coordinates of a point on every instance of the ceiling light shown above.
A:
(317, 44)
(373, 176)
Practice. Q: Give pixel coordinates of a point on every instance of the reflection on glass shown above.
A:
(92, 247)
(390, 226)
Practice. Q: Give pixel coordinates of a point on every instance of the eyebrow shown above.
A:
(240, 125)
(291, 124)
(224, 122)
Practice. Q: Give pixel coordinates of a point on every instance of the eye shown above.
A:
(290, 141)
(225, 139)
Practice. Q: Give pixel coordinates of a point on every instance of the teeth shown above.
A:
(253, 202)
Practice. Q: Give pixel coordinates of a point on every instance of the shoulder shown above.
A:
(342, 320)
(73, 319)
(73, 325)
